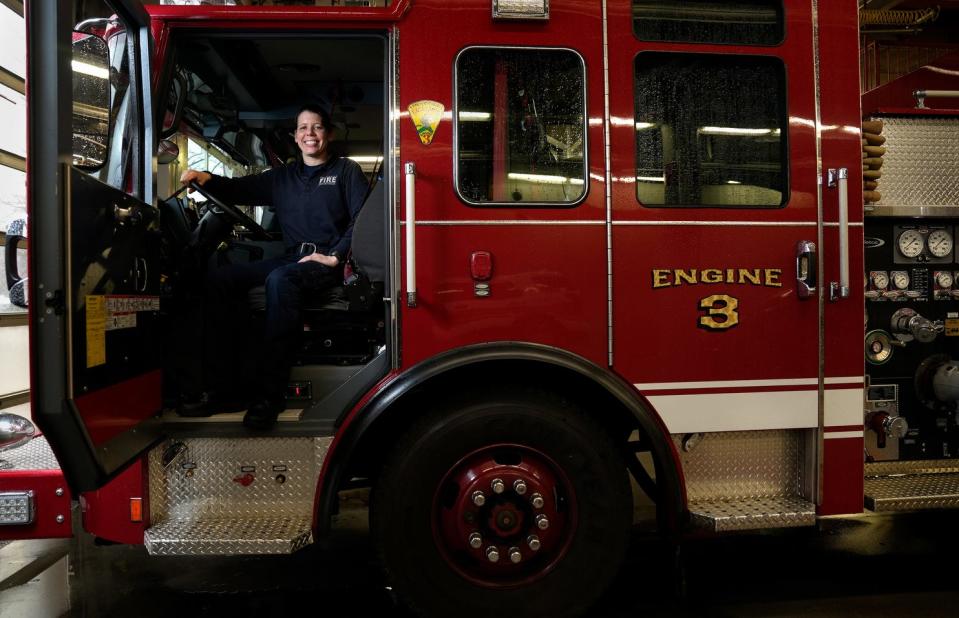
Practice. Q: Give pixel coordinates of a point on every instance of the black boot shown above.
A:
(262, 415)
(209, 403)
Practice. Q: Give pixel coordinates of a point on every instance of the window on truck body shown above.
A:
(520, 127)
(731, 22)
(711, 130)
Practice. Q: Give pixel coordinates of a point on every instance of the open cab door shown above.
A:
(95, 285)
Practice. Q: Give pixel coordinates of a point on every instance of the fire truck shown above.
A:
(610, 248)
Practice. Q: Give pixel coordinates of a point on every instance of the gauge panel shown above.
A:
(910, 243)
(900, 279)
(923, 244)
(939, 243)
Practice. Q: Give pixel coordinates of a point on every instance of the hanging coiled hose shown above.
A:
(869, 17)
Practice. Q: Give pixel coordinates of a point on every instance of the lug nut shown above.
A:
(519, 486)
(515, 555)
(542, 522)
(498, 486)
(537, 501)
(478, 498)
(533, 542)
(492, 554)
(476, 540)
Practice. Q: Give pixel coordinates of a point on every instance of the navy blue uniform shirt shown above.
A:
(316, 204)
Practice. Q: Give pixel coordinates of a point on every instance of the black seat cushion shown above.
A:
(369, 240)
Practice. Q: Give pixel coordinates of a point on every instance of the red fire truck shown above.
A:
(603, 240)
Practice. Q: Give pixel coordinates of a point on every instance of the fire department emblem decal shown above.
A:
(426, 116)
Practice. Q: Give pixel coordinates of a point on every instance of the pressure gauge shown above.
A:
(944, 279)
(939, 243)
(900, 279)
(880, 280)
(910, 243)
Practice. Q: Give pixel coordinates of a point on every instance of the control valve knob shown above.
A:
(907, 324)
(887, 426)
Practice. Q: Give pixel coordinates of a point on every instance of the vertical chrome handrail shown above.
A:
(410, 169)
(841, 289)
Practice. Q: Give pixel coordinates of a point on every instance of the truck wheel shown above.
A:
(516, 504)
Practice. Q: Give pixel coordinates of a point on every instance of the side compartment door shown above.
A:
(94, 268)
(510, 205)
(715, 206)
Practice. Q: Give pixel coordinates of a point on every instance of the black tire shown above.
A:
(597, 509)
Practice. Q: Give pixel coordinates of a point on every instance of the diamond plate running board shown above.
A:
(227, 537)
(912, 492)
(233, 496)
(752, 513)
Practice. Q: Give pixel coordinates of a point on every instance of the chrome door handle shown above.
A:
(805, 269)
(410, 169)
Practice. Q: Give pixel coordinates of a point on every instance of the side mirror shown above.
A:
(91, 100)
(167, 152)
(15, 431)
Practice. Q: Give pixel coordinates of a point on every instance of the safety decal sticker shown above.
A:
(114, 312)
(426, 116)
(96, 331)
(952, 324)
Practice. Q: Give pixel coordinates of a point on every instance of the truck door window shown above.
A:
(710, 130)
(520, 127)
(744, 22)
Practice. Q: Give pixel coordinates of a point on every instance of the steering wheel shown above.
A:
(234, 213)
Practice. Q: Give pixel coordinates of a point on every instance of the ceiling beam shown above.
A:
(14, 5)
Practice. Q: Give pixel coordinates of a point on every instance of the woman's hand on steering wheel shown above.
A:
(198, 177)
(195, 180)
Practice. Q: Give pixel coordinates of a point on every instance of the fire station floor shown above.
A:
(871, 565)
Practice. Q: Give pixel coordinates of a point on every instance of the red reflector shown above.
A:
(136, 510)
(481, 265)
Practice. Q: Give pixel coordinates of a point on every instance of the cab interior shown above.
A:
(228, 106)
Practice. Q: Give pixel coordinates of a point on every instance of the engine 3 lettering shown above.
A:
(672, 277)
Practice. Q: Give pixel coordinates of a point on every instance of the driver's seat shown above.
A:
(368, 256)
(344, 325)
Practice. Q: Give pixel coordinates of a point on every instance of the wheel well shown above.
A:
(594, 398)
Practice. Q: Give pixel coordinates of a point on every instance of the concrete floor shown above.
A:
(877, 565)
(884, 565)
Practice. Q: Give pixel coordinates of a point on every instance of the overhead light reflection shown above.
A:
(545, 179)
(474, 116)
(89, 69)
(737, 131)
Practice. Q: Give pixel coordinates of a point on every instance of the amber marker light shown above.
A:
(136, 510)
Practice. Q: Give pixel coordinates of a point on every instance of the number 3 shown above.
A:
(719, 306)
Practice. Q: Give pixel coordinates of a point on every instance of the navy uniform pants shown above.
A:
(287, 283)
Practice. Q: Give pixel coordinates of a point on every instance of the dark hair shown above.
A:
(313, 108)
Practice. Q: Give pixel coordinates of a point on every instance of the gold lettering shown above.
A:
(661, 278)
(747, 275)
(712, 275)
(668, 277)
(721, 312)
(683, 276)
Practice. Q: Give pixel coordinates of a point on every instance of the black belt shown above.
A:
(304, 248)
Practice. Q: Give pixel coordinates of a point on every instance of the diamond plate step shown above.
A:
(912, 491)
(230, 496)
(226, 536)
(753, 513)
